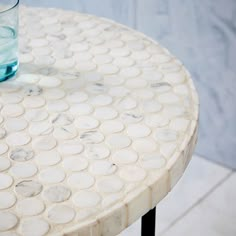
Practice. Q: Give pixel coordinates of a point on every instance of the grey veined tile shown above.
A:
(200, 177)
(215, 216)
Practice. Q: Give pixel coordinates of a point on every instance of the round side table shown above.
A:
(97, 127)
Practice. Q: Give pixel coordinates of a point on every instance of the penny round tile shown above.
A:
(54, 94)
(3, 133)
(161, 87)
(111, 184)
(102, 168)
(91, 76)
(65, 132)
(26, 58)
(21, 154)
(85, 66)
(12, 110)
(38, 43)
(15, 124)
(61, 214)
(30, 226)
(152, 75)
(136, 45)
(175, 78)
(57, 193)
(48, 158)
(111, 199)
(86, 199)
(29, 78)
(44, 143)
(7, 221)
(108, 69)
(120, 52)
(9, 87)
(57, 106)
(151, 107)
(40, 128)
(86, 122)
(1, 118)
(5, 181)
(77, 97)
(61, 119)
(81, 109)
(71, 148)
(132, 173)
(80, 180)
(118, 141)
(75, 163)
(28, 188)
(23, 170)
(65, 63)
(12, 98)
(143, 94)
(102, 59)
(113, 80)
(105, 113)
(30, 207)
(112, 126)
(52, 175)
(119, 91)
(152, 161)
(123, 62)
(101, 100)
(91, 137)
(124, 157)
(138, 131)
(166, 135)
(127, 103)
(97, 50)
(168, 98)
(36, 115)
(130, 72)
(140, 55)
(33, 102)
(18, 139)
(144, 145)
(32, 90)
(4, 164)
(7, 200)
(160, 58)
(83, 56)
(156, 120)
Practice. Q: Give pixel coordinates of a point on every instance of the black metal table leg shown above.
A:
(148, 223)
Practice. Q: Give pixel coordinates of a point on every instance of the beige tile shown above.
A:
(214, 216)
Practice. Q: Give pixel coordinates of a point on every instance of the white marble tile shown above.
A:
(200, 177)
(215, 216)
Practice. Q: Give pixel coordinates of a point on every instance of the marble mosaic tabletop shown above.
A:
(97, 127)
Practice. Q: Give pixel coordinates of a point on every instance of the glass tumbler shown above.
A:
(8, 38)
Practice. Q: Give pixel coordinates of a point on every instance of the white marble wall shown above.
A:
(203, 35)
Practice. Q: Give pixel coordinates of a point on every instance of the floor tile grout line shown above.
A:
(201, 199)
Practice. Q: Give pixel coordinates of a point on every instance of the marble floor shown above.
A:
(202, 203)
